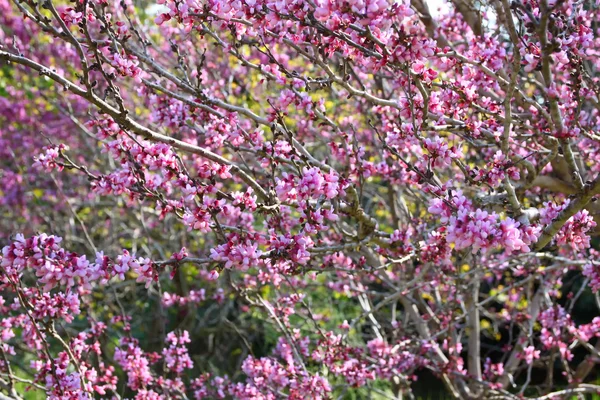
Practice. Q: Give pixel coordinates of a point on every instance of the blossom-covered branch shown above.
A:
(299, 199)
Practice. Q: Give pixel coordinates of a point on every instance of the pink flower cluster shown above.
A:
(440, 155)
(237, 252)
(176, 354)
(496, 170)
(52, 265)
(193, 297)
(133, 361)
(296, 247)
(478, 229)
(125, 65)
(143, 267)
(48, 306)
(55, 266)
(312, 184)
(61, 382)
(71, 17)
(47, 161)
(592, 270)
(556, 324)
(574, 231)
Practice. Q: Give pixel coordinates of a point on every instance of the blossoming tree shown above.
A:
(270, 199)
